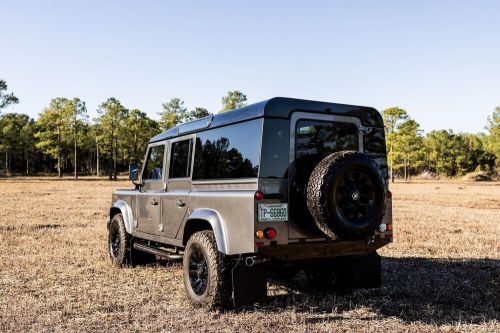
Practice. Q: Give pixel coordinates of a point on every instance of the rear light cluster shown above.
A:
(269, 233)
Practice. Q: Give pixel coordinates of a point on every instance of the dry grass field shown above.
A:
(441, 274)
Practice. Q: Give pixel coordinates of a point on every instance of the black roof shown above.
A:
(278, 107)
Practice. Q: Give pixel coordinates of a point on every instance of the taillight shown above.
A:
(389, 195)
(270, 233)
(259, 195)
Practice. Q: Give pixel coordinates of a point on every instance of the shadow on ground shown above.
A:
(434, 291)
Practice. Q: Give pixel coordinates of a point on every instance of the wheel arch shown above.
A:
(206, 219)
(121, 206)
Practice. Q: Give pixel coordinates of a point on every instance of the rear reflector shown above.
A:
(258, 244)
(389, 195)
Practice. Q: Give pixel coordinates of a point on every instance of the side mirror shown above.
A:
(133, 172)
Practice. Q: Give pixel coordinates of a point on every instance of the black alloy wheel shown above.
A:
(114, 240)
(198, 271)
(355, 196)
(207, 272)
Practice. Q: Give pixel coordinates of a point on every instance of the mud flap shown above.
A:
(361, 272)
(249, 284)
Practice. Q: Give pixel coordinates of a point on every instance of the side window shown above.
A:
(180, 159)
(228, 152)
(153, 169)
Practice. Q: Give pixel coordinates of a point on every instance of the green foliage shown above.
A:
(492, 141)
(198, 113)
(392, 118)
(6, 99)
(54, 130)
(16, 138)
(138, 129)
(112, 115)
(233, 100)
(174, 112)
(408, 147)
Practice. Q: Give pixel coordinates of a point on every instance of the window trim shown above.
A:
(190, 160)
(165, 150)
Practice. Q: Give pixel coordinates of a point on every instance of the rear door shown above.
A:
(174, 201)
(312, 138)
(148, 199)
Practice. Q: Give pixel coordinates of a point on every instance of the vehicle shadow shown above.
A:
(436, 291)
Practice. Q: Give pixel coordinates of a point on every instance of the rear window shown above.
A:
(228, 152)
(318, 139)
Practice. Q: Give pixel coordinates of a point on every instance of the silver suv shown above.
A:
(277, 186)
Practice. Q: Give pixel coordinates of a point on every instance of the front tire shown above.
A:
(118, 242)
(207, 278)
(120, 246)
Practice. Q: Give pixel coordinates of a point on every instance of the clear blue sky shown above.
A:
(440, 60)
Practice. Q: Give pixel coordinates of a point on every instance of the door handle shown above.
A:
(154, 202)
(180, 203)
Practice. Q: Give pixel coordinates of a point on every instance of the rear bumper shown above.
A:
(322, 250)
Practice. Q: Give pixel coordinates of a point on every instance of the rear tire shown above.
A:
(207, 274)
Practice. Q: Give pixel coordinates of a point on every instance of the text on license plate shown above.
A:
(273, 212)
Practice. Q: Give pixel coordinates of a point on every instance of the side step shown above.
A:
(156, 251)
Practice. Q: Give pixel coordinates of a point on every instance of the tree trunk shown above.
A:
(135, 148)
(406, 173)
(98, 173)
(111, 150)
(392, 164)
(76, 173)
(59, 166)
(59, 153)
(115, 159)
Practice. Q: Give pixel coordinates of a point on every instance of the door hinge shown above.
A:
(365, 129)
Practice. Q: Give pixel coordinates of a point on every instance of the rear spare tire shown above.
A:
(346, 195)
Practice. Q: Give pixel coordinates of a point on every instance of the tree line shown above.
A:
(440, 152)
(63, 139)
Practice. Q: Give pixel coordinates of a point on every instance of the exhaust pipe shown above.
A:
(250, 261)
(254, 260)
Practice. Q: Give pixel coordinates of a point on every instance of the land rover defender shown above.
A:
(279, 185)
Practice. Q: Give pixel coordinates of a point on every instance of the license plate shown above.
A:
(273, 212)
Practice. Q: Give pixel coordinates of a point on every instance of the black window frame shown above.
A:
(189, 158)
(148, 154)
